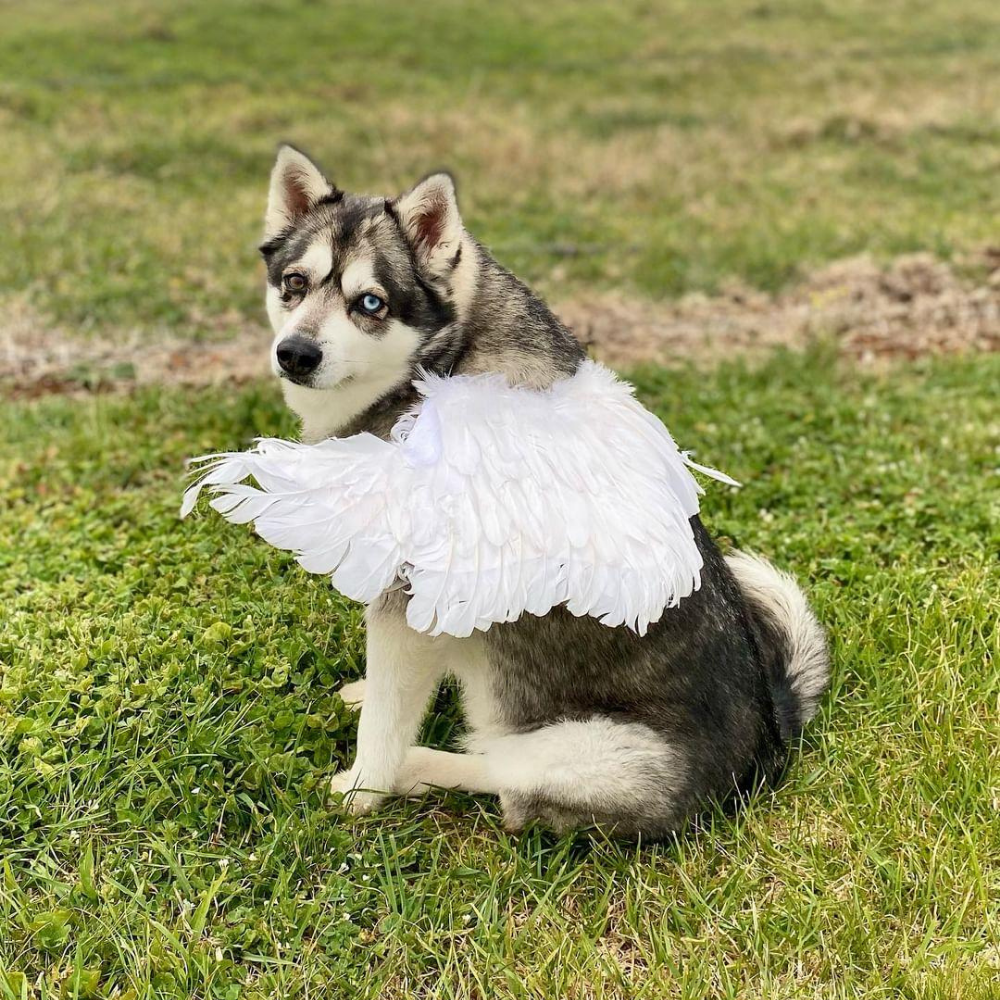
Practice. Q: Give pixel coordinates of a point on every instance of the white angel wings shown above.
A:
(487, 502)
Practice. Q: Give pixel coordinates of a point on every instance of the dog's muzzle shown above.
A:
(298, 356)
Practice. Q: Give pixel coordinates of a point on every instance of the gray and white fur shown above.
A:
(571, 723)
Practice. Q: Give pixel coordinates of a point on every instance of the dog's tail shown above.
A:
(800, 669)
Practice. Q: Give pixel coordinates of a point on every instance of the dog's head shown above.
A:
(360, 289)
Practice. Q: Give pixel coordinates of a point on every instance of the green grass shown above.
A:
(167, 725)
(167, 722)
(662, 146)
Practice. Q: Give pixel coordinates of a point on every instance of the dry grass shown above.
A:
(633, 148)
(914, 307)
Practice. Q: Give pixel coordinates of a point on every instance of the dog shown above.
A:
(571, 723)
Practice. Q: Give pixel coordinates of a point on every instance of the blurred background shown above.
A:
(619, 155)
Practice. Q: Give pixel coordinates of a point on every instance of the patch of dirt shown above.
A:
(37, 358)
(916, 306)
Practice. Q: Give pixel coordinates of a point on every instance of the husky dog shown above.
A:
(570, 722)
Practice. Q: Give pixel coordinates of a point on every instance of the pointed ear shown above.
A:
(297, 184)
(429, 216)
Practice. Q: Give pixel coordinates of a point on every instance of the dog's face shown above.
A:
(358, 287)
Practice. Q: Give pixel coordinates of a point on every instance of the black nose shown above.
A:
(298, 355)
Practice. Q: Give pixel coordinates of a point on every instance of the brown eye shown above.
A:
(295, 282)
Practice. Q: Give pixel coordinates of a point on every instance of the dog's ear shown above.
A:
(429, 216)
(297, 184)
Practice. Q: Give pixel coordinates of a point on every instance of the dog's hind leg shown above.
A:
(353, 693)
(622, 776)
(425, 769)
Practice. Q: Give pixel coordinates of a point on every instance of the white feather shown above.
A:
(488, 501)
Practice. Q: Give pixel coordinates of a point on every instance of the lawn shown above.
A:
(167, 726)
(167, 721)
(658, 147)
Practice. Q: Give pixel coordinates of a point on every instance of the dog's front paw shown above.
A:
(353, 693)
(357, 799)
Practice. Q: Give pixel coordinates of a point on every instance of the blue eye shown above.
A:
(371, 303)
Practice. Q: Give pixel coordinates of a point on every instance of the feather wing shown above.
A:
(332, 504)
(576, 495)
(489, 501)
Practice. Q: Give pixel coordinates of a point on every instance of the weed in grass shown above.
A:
(167, 725)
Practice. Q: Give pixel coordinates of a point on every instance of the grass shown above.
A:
(166, 718)
(659, 146)
(167, 726)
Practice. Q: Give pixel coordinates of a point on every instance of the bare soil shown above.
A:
(915, 306)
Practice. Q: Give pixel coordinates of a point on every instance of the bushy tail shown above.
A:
(800, 671)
